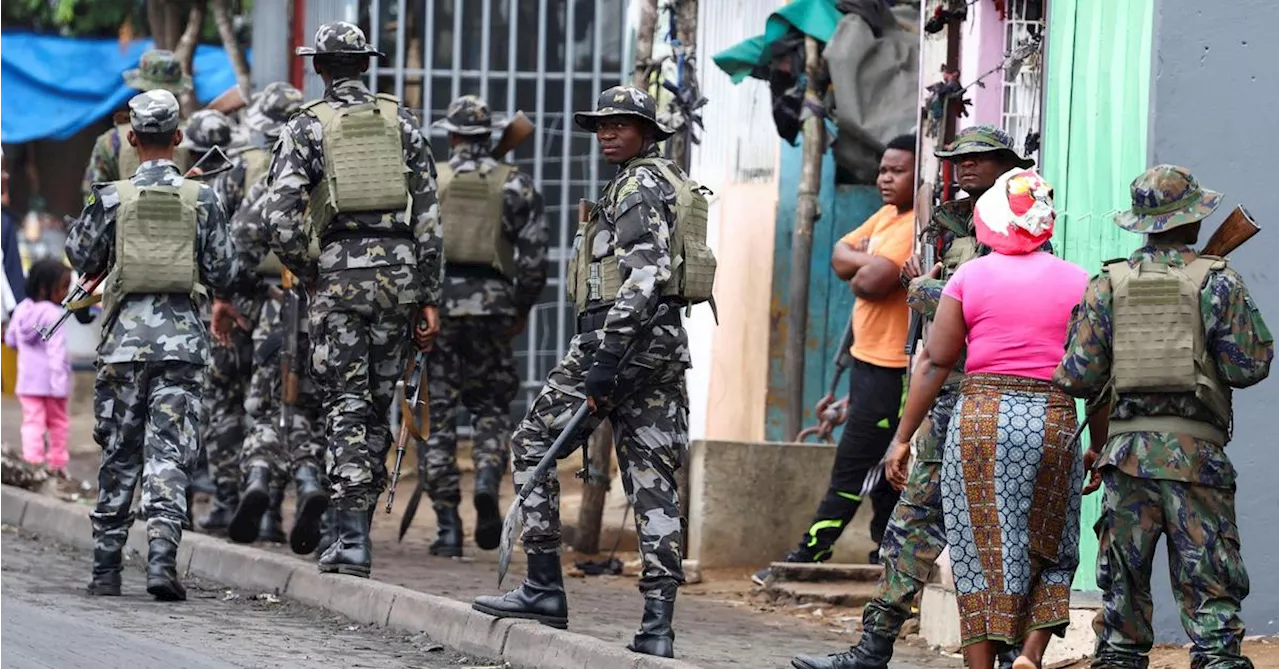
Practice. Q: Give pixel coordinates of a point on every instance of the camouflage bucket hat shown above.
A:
(339, 38)
(1165, 197)
(206, 129)
(154, 111)
(272, 107)
(982, 139)
(469, 115)
(158, 69)
(623, 101)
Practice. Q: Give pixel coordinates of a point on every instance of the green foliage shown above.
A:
(77, 18)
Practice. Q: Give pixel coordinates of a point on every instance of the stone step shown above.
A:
(834, 593)
(940, 625)
(820, 571)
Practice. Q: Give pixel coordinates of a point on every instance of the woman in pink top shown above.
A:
(1010, 478)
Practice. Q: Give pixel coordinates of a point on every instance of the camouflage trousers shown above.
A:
(357, 359)
(147, 424)
(651, 431)
(472, 365)
(1205, 568)
(223, 430)
(299, 443)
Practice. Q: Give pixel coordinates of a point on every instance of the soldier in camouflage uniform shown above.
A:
(1162, 455)
(623, 269)
(164, 239)
(111, 151)
(496, 251)
(368, 174)
(914, 537)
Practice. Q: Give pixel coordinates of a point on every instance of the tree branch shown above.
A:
(222, 17)
(186, 51)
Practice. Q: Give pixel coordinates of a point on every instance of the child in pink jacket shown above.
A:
(44, 369)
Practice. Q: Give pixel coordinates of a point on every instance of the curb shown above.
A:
(524, 644)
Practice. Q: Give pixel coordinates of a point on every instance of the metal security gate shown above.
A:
(547, 58)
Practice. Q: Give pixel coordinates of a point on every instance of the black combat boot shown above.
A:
(351, 553)
(271, 528)
(162, 572)
(1006, 655)
(189, 522)
(255, 497)
(311, 503)
(106, 573)
(328, 533)
(541, 597)
(202, 483)
(224, 507)
(448, 541)
(656, 636)
(872, 652)
(488, 518)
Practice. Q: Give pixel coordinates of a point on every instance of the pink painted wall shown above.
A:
(981, 49)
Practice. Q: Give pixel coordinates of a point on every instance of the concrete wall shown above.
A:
(1213, 94)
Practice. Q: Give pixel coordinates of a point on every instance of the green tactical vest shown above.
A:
(960, 251)
(693, 264)
(471, 209)
(155, 242)
(364, 166)
(1158, 343)
(127, 161)
(256, 162)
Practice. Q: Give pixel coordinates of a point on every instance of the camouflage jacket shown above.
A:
(297, 164)
(524, 227)
(147, 327)
(1238, 340)
(637, 216)
(230, 186)
(104, 161)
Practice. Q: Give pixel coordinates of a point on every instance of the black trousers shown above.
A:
(875, 405)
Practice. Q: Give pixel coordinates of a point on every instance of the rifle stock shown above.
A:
(517, 131)
(80, 297)
(1235, 231)
(289, 315)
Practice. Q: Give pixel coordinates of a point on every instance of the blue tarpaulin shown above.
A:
(56, 86)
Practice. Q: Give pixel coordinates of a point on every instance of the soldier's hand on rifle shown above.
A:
(1095, 478)
(226, 316)
(911, 269)
(895, 464)
(426, 329)
(602, 380)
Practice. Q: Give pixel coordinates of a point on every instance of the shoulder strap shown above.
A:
(387, 97)
(1200, 268)
(444, 174)
(499, 175)
(190, 192)
(125, 189)
(321, 110)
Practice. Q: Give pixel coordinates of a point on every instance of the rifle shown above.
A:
(1235, 231)
(80, 297)
(408, 418)
(924, 212)
(290, 313)
(200, 174)
(517, 131)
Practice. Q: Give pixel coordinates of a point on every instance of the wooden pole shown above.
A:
(802, 244)
(687, 32)
(226, 31)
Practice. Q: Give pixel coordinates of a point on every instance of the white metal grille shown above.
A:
(1020, 111)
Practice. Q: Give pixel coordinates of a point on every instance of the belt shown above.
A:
(340, 235)
(594, 317)
(473, 271)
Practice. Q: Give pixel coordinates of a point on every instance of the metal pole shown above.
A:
(802, 244)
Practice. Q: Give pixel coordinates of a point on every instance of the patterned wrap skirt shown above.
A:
(1011, 502)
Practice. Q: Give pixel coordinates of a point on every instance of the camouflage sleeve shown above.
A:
(102, 164)
(230, 187)
(923, 295)
(1086, 363)
(295, 165)
(91, 237)
(1241, 345)
(249, 234)
(527, 231)
(425, 213)
(219, 266)
(643, 220)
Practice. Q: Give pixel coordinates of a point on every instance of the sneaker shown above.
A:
(763, 576)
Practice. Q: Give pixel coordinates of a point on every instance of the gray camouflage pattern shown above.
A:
(206, 129)
(225, 424)
(469, 115)
(471, 365)
(148, 327)
(148, 415)
(154, 111)
(339, 37)
(271, 107)
(623, 101)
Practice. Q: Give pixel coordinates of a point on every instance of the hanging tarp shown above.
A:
(56, 86)
(817, 18)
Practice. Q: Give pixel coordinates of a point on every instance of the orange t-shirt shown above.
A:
(880, 326)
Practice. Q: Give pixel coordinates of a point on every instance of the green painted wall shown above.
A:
(1095, 143)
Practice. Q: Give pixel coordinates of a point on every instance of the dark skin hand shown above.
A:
(226, 316)
(873, 277)
(1099, 422)
(426, 328)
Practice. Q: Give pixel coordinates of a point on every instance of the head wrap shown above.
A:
(1015, 216)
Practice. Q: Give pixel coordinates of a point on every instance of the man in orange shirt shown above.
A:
(870, 258)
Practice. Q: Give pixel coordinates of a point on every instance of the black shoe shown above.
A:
(312, 501)
(351, 554)
(225, 501)
(271, 527)
(189, 522)
(488, 519)
(255, 497)
(541, 597)
(763, 576)
(106, 574)
(873, 557)
(872, 652)
(448, 541)
(328, 533)
(202, 483)
(656, 636)
(1006, 656)
(162, 572)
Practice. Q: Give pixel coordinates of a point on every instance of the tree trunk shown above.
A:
(186, 51)
(802, 245)
(644, 43)
(222, 17)
(591, 513)
(158, 22)
(687, 32)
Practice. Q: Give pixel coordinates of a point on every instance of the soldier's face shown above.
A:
(976, 172)
(621, 138)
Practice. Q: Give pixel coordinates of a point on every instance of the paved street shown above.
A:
(48, 621)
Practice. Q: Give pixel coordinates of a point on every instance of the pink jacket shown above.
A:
(44, 368)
